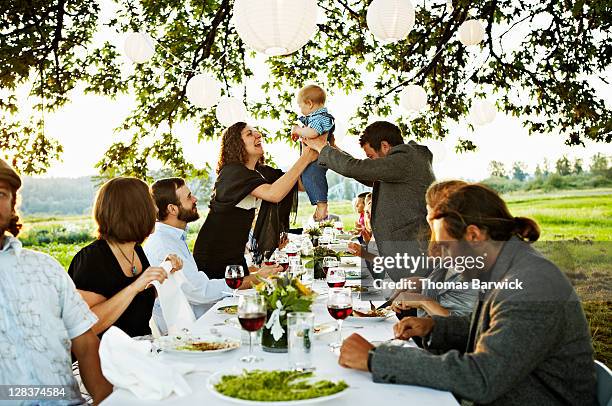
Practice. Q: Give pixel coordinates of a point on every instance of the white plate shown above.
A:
(369, 319)
(216, 377)
(170, 344)
(325, 328)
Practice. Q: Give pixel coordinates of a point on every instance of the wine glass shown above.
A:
(329, 233)
(268, 258)
(335, 278)
(282, 259)
(234, 275)
(296, 269)
(252, 317)
(340, 306)
(329, 262)
(339, 226)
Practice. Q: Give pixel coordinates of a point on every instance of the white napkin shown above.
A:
(174, 304)
(129, 364)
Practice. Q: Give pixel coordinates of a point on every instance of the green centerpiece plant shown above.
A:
(283, 294)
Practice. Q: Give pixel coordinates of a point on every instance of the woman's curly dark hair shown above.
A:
(14, 224)
(233, 149)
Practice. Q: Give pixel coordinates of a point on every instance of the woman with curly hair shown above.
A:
(240, 188)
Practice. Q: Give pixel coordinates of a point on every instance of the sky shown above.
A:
(85, 129)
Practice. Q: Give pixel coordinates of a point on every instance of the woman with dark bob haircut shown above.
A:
(112, 273)
(242, 184)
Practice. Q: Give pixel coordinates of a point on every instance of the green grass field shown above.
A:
(576, 235)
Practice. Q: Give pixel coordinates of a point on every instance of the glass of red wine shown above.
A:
(339, 225)
(329, 262)
(234, 275)
(340, 306)
(252, 317)
(269, 259)
(282, 259)
(335, 278)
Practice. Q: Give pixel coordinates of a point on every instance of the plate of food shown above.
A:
(324, 328)
(231, 309)
(282, 388)
(196, 345)
(352, 273)
(359, 288)
(372, 315)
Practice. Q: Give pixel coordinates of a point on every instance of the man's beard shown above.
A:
(188, 215)
(5, 223)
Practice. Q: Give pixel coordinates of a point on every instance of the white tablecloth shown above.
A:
(362, 390)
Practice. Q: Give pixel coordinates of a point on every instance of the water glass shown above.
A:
(300, 327)
(308, 277)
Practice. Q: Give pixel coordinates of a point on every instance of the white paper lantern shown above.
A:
(439, 151)
(275, 27)
(390, 20)
(139, 47)
(203, 91)
(230, 111)
(471, 32)
(482, 112)
(413, 98)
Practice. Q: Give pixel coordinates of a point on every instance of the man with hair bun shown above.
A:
(528, 346)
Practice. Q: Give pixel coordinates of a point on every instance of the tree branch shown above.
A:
(446, 36)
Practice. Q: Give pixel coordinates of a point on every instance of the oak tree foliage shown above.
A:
(547, 81)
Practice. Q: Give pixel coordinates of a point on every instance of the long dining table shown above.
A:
(362, 390)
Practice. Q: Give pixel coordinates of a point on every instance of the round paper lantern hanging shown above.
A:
(390, 20)
(230, 111)
(413, 98)
(203, 91)
(275, 27)
(438, 150)
(471, 32)
(482, 112)
(139, 47)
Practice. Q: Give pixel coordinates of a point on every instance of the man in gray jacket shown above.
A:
(400, 174)
(527, 341)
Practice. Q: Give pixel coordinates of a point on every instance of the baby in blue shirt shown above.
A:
(316, 121)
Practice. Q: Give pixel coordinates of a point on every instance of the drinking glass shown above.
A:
(336, 278)
(340, 306)
(307, 276)
(282, 259)
(252, 317)
(234, 275)
(339, 225)
(300, 326)
(329, 233)
(268, 258)
(329, 262)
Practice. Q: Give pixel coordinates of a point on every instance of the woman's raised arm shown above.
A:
(277, 191)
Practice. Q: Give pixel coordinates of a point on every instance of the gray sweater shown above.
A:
(524, 347)
(400, 181)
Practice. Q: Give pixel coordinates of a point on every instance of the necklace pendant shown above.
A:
(134, 270)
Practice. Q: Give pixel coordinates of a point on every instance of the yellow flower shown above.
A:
(301, 288)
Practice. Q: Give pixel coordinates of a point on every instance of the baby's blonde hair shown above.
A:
(314, 93)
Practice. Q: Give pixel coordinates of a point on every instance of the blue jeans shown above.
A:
(315, 182)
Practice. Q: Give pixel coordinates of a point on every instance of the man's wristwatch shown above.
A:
(370, 356)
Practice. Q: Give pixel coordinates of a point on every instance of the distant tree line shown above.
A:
(75, 196)
(563, 174)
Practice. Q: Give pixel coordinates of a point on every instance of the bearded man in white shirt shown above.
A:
(42, 318)
(177, 207)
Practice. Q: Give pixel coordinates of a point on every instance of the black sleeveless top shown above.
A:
(96, 269)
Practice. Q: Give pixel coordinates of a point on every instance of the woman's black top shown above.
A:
(96, 269)
(223, 237)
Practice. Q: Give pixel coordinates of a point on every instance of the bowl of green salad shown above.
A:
(277, 387)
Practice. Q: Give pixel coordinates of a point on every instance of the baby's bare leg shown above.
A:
(321, 211)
